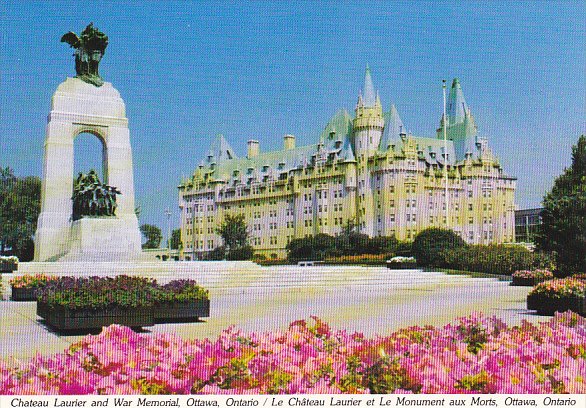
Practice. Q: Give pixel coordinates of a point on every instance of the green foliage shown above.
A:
(349, 243)
(429, 244)
(473, 382)
(176, 239)
(315, 247)
(259, 257)
(152, 234)
(564, 215)
(383, 245)
(217, 254)
(234, 233)
(494, 259)
(20, 204)
(240, 253)
(385, 376)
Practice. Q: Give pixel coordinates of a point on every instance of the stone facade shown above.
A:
(365, 168)
(78, 107)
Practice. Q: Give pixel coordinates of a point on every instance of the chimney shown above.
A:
(289, 142)
(253, 148)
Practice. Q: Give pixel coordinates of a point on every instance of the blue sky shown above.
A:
(188, 71)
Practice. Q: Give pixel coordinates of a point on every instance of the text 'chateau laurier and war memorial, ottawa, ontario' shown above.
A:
(367, 169)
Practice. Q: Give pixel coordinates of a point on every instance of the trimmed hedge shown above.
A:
(493, 259)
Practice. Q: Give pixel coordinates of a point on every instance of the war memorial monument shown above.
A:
(99, 223)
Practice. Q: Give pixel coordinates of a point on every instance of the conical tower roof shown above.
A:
(369, 95)
(457, 106)
(221, 149)
(393, 128)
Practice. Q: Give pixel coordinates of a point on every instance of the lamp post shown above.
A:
(168, 214)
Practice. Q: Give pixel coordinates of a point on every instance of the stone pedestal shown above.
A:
(78, 107)
(101, 239)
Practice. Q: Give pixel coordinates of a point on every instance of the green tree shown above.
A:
(234, 233)
(152, 234)
(563, 231)
(20, 204)
(176, 239)
(431, 242)
(316, 247)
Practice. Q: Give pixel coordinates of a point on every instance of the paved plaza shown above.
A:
(373, 300)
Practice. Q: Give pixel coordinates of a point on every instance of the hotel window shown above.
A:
(413, 217)
(431, 219)
(392, 203)
(392, 189)
(470, 194)
(470, 207)
(392, 217)
(408, 217)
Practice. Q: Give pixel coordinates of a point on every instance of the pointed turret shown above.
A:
(460, 125)
(368, 123)
(393, 128)
(457, 106)
(369, 92)
(221, 150)
(360, 102)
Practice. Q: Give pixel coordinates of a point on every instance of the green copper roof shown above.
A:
(220, 150)
(393, 128)
(456, 104)
(334, 139)
(433, 150)
(369, 97)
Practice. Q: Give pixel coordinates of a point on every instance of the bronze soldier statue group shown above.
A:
(91, 197)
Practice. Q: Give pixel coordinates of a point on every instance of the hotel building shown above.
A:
(366, 168)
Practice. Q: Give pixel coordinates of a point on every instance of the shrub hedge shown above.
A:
(495, 259)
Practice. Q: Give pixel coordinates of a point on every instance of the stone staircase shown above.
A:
(248, 277)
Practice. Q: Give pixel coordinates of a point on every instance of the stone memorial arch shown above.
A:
(86, 104)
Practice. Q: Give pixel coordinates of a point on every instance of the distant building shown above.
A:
(366, 168)
(527, 224)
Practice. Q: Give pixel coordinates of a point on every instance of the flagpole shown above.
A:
(447, 200)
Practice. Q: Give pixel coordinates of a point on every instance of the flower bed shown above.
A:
(8, 264)
(472, 355)
(181, 300)
(64, 319)
(25, 288)
(91, 303)
(531, 277)
(402, 262)
(558, 295)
